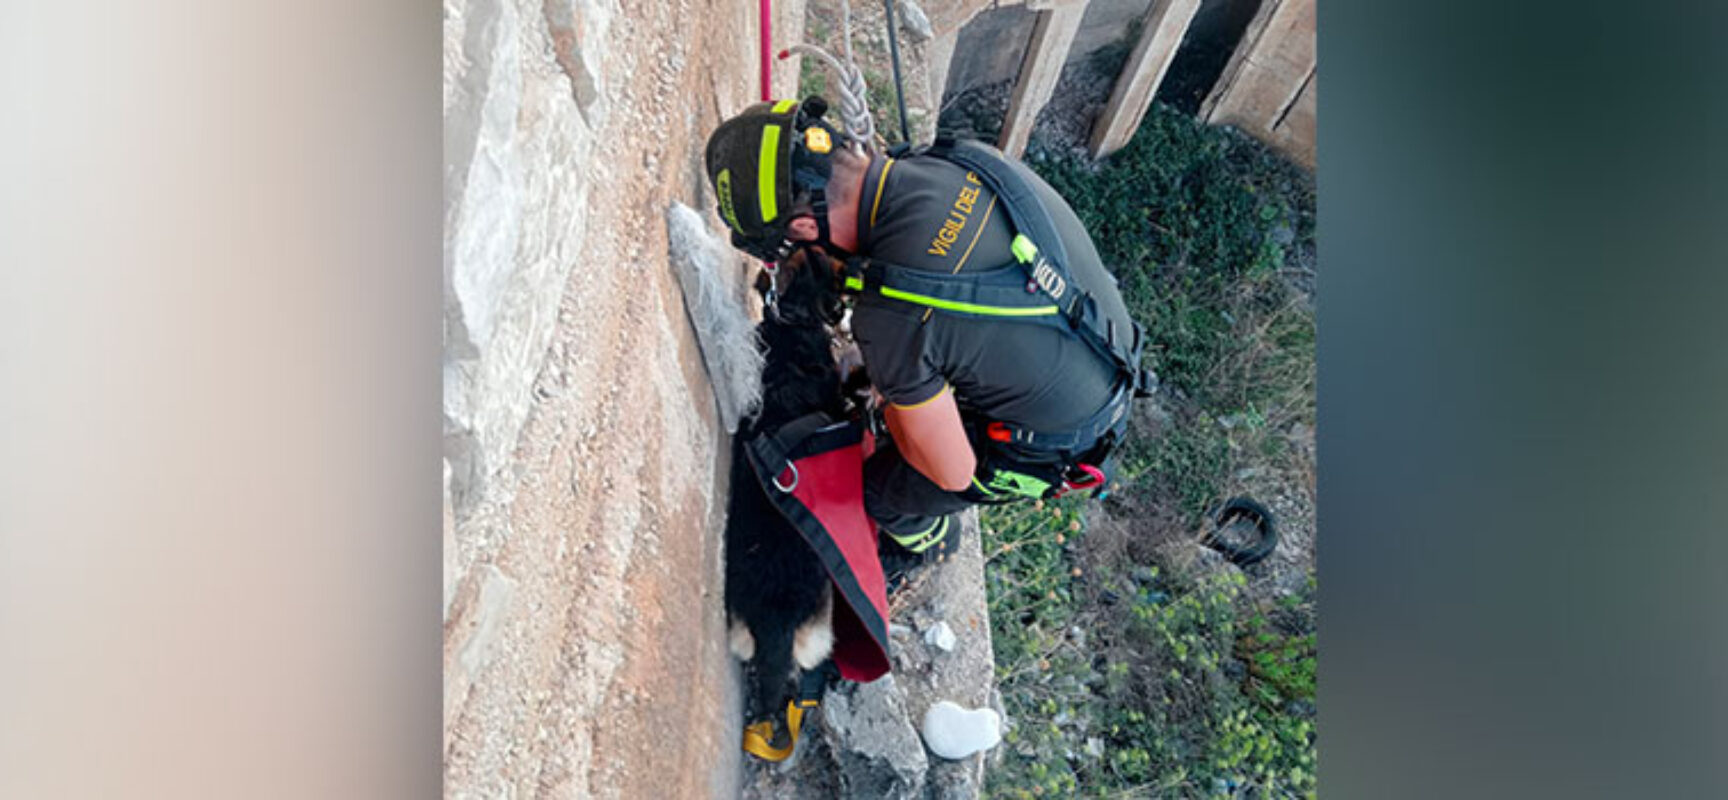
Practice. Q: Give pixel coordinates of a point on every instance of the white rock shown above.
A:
(941, 636)
(953, 732)
(914, 21)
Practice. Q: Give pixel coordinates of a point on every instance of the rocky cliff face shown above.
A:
(583, 635)
(585, 440)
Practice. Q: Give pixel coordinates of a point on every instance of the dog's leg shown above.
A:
(814, 640)
(742, 643)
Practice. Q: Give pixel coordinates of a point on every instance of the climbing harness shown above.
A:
(813, 471)
(1092, 479)
(758, 736)
(1036, 288)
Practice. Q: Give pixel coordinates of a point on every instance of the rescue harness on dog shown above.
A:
(812, 469)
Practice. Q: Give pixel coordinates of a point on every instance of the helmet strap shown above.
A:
(819, 208)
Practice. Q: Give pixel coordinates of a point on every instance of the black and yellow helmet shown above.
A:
(766, 161)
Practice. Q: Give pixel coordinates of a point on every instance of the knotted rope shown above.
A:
(860, 127)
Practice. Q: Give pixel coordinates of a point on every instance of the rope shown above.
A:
(894, 59)
(854, 108)
(765, 26)
(854, 94)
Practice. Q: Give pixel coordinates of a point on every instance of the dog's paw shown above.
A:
(814, 640)
(742, 643)
(814, 644)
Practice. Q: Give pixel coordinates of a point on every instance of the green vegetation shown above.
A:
(815, 78)
(1125, 670)
(812, 76)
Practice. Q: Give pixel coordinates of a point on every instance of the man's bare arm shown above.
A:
(932, 438)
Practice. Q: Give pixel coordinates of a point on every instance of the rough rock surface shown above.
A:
(877, 751)
(585, 458)
(867, 745)
(707, 270)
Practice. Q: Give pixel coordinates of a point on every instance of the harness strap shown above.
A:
(811, 686)
(1112, 416)
(757, 737)
(1000, 292)
(783, 445)
(1038, 288)
(1022, 204)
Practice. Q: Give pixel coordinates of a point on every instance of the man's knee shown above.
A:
(876, 477)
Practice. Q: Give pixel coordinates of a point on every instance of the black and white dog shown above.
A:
(779, 600)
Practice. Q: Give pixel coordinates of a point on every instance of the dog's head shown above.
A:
(804, 289)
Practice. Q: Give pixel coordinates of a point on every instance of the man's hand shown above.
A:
(932, 438)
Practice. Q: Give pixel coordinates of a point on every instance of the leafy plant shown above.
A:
(1150, 679)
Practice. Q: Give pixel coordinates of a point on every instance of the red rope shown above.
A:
(767, 44)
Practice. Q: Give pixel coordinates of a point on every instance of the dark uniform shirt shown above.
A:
(925, 213)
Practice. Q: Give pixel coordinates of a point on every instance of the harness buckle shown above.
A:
(787, 488)
(1092, 478)
(999, 432)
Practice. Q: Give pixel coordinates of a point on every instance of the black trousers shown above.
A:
(902, 501)
(900, 498)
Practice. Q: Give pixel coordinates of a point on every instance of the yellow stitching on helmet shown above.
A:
(723, 186)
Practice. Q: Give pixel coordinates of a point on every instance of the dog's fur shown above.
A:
(778, 595)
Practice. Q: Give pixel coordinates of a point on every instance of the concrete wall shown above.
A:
(1270, 87)
(992, 46)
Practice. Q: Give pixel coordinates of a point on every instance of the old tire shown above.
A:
(1243, 530)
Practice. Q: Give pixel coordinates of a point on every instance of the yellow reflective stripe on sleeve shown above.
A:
(768, 163)
(784, 106)
(923, 403)
(881, 181)
(968, 308)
